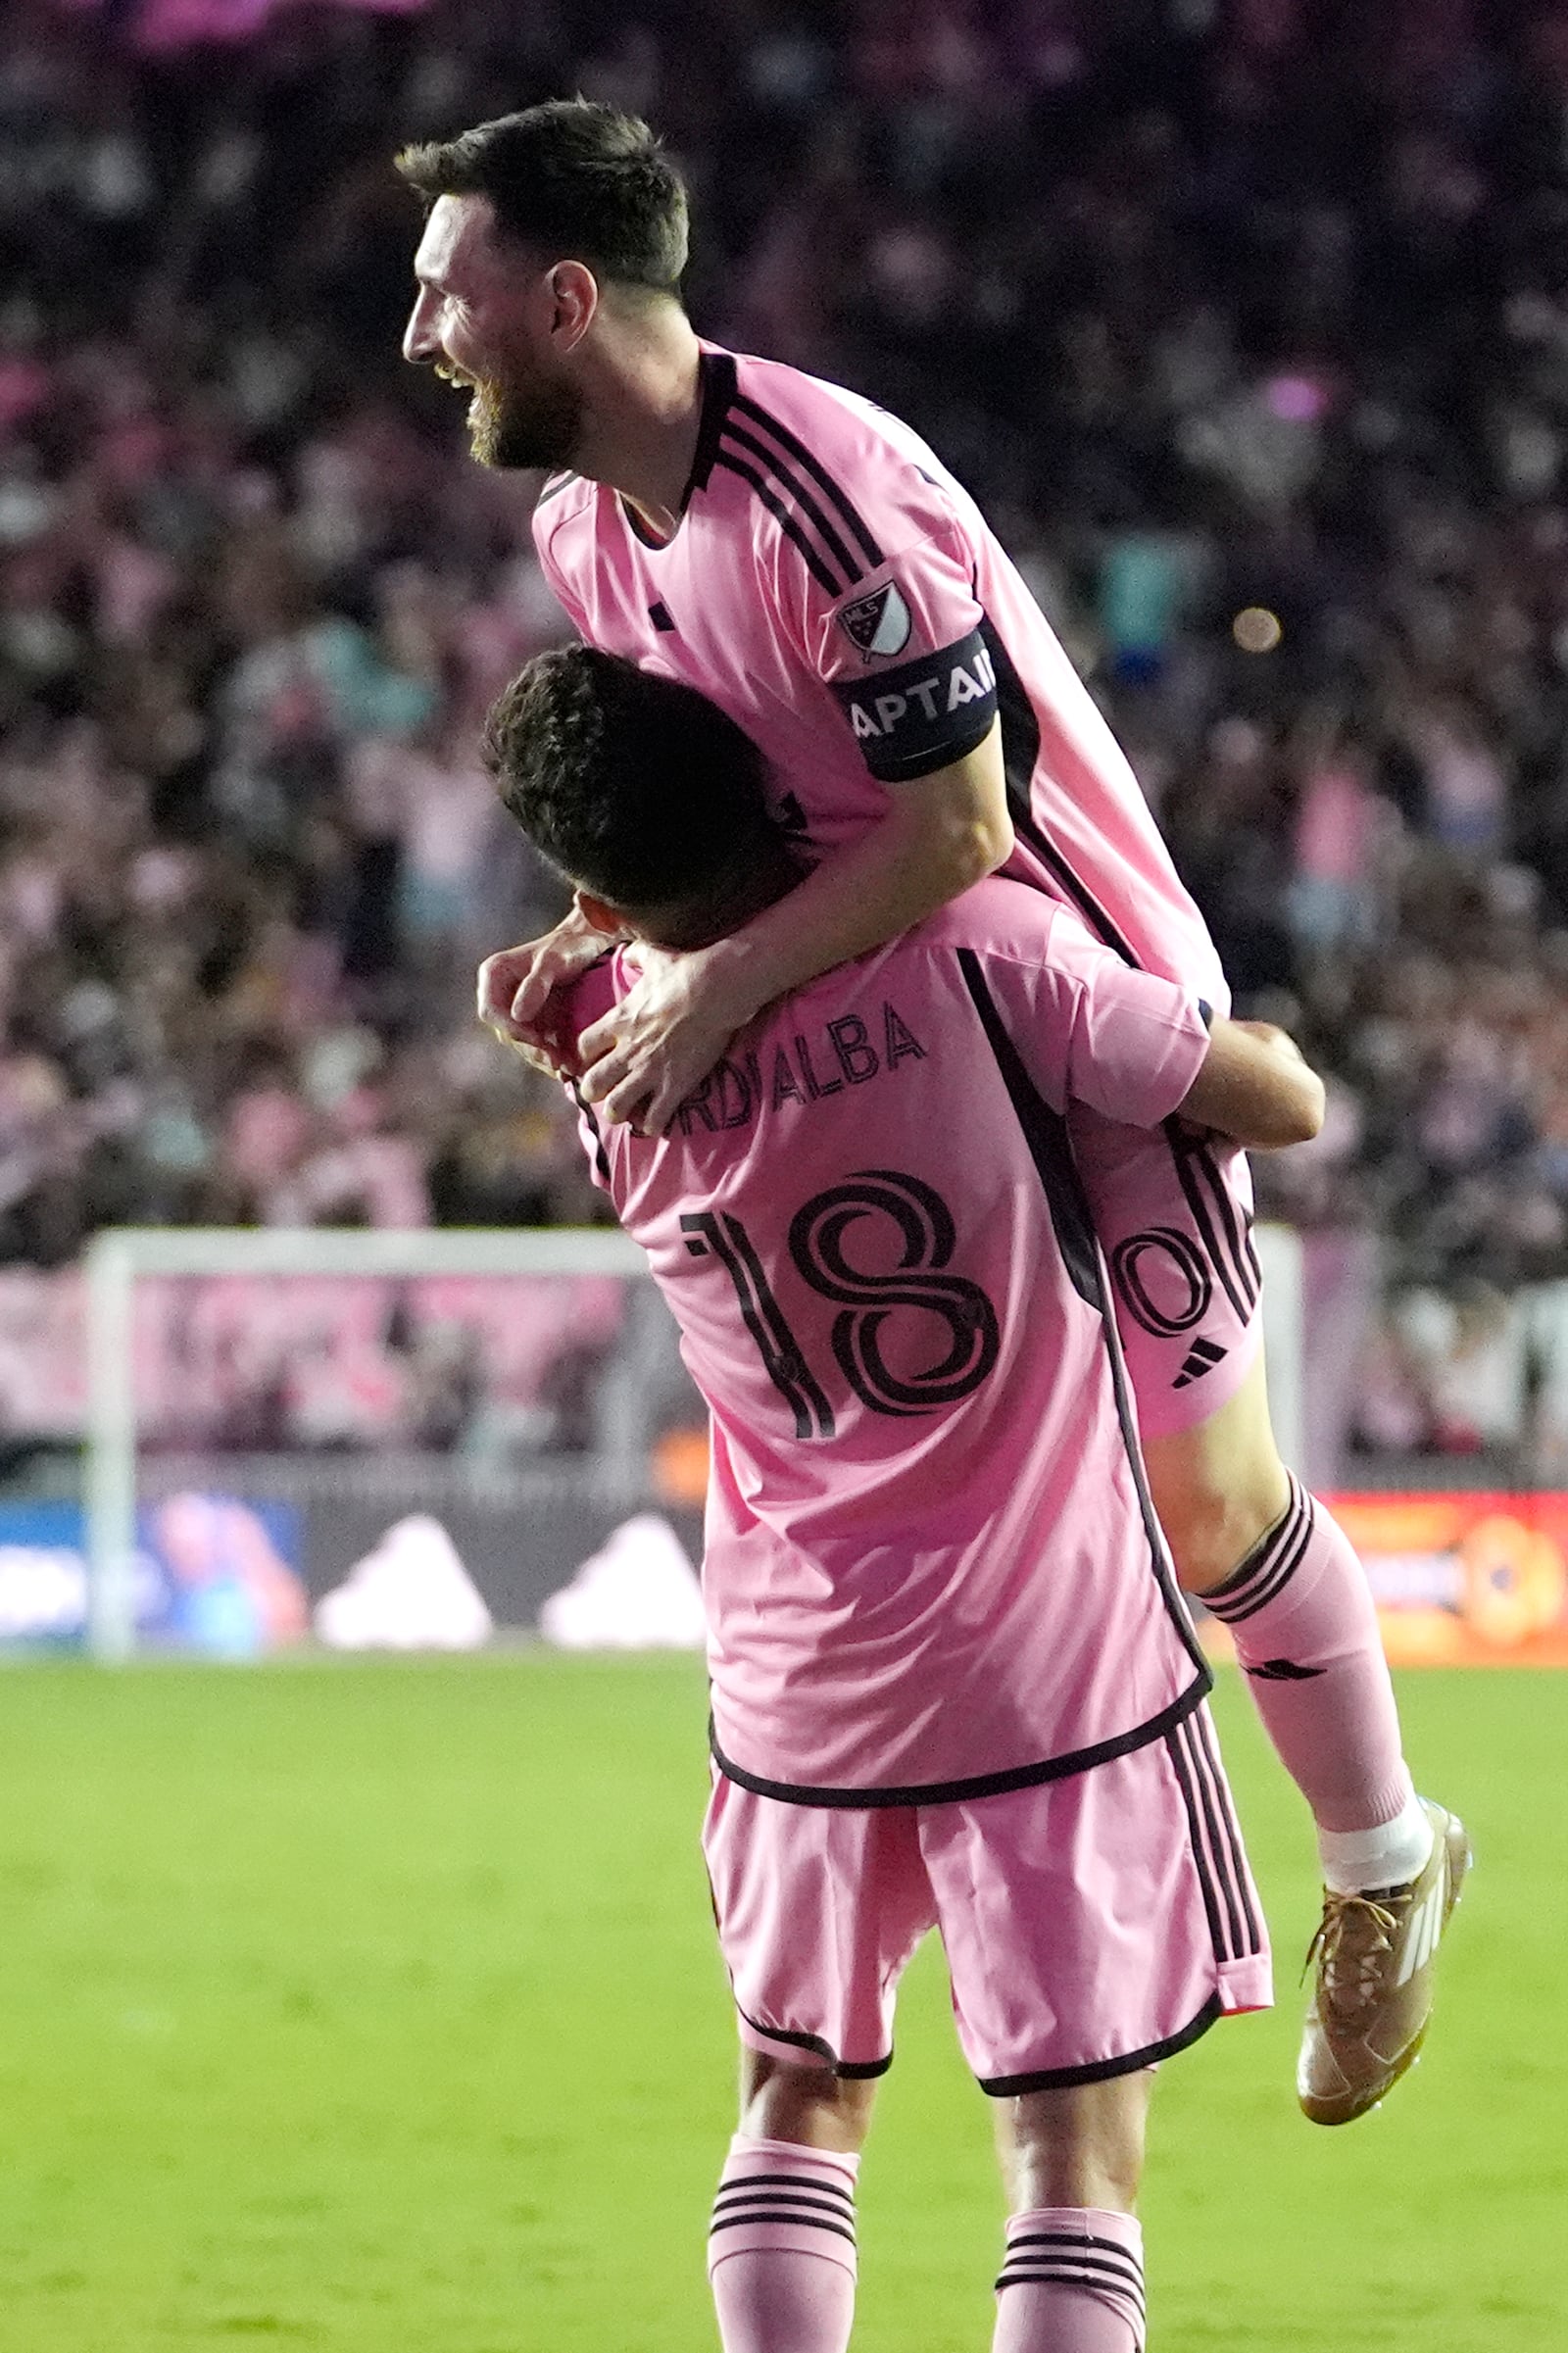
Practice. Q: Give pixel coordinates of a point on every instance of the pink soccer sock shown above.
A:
(1306, 1633)
(781, 2249)
(1073, 2282)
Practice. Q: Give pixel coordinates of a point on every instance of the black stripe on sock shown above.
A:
(833, 2190)
(1268, 1579)
(1066, 2275)
(1107, 2254)
(774, 466)
(1237, 1594)
(740, 2194)
(824, 481)
(791, 2210)
(804, 2222)
(734, 2194)
(1050, 2276)
(1078, 2271)
(787, 523)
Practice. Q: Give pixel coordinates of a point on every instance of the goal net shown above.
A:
(386, 1437)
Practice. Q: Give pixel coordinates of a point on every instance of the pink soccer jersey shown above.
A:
(931, 1568)
(835, 591)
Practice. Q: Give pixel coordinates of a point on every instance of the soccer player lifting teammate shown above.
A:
(804, 560)
(953, 1683)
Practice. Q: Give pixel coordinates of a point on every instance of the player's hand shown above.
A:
(515, 988)
(646, 1054)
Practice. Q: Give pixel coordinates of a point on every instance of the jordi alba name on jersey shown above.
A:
(929, 1563)
(835, 591)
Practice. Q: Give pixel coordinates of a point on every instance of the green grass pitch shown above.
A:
(375, 2006)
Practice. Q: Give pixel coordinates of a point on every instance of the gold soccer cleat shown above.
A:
(1372, 2001)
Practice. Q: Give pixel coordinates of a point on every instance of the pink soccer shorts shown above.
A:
(1092, 1925)
(1173, 1210)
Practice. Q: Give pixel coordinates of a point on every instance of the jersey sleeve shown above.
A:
(548, 516)
(883, 612)
(579, 1007)
(1091, 1029)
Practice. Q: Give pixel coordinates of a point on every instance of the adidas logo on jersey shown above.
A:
(879, 624)
(1201, 1359)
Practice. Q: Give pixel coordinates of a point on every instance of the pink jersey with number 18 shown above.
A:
(840, 595)
(931, 1568)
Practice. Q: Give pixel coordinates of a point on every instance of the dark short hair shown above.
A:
(634, 786)
(579, 180)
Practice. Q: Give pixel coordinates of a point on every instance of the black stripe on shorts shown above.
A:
(1216, 1844)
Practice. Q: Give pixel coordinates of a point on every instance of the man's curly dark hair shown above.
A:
(633, 786)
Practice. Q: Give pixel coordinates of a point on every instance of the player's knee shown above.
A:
(810, 2105)
(1215, 1499)
(1212, 1534)
(1083, 2147)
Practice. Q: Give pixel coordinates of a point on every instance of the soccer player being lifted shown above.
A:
(804, 560)
(953, 1683)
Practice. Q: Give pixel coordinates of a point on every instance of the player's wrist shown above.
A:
(734, 979)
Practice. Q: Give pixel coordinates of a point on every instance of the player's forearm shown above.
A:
(1255, 1089)
(860, 897)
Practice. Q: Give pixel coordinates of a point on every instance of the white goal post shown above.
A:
(120, 1257)
(117, 1258)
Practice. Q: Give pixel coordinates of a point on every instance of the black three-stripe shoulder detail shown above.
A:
(809, 509)
(552, 488)
(717, 378)
(795, 447)
(815, 564)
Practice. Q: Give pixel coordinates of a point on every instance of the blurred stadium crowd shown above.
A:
(1248, 321)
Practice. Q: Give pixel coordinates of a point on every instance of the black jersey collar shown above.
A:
(715, 392)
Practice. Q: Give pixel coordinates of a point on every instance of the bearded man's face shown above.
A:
(471, 320)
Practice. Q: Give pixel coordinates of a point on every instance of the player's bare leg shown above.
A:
(810, 2105)
(1272, 1565)
(1071, 2161)
(781, 2248)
